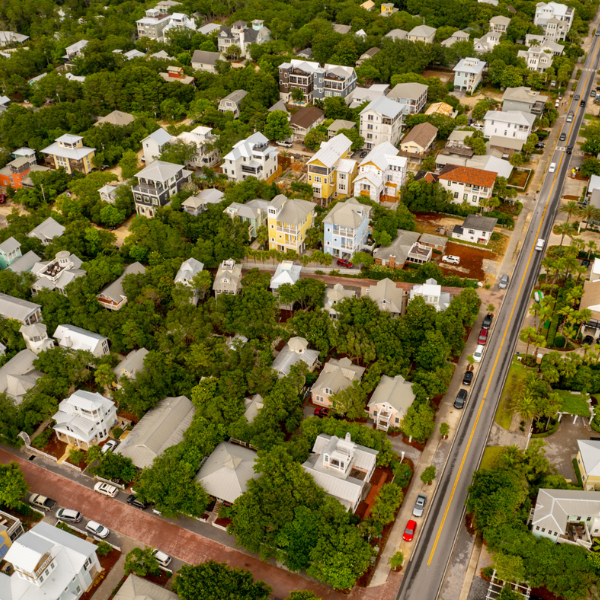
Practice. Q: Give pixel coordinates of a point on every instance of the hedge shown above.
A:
(577, 473)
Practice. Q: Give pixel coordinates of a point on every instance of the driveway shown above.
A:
(561, 447)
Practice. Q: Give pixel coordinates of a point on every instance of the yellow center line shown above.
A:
(464, 458)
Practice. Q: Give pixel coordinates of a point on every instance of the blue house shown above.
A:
(346, 228)
(10, 250)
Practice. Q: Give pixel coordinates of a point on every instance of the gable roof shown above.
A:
(388, 294)
(385, 106)
(16, 308)
(378, 155)
(47, 230)
(19, 375)
(159, 170)
(206, 58)
(188, 269)
(132, 364)
(337, 375)
(160, 136)
(397, 392)
(10, 245)
(138, 588)
(331, 151)
(114, 291)
(421, 135)
(411, 90)
(76, 338)
(228, 276)
(480, 223)
(399, 248)
(553, 508)
(306, 116)
(510, 116)
(469, 175)
(116, 117)
(294, 211)
(236, 96)
(590, 455)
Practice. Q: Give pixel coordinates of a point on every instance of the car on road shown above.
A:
(503, 284)
(98, 530)
(539, 245)
(570, 117)
(487, 321)
(478, 354)
(321, 412)
(135, 502)
(563, 137)
(66, 514)
(576, 97)
(419, 507)
(450, 259)
(409, 531)
(342, 262)
(110, 445)
(552, 168)
(569, 149)
(483, 336)
(161, 558)
(42, 502)
(108, 490)
(588, 340)
(468, 378)
(582, 103)
(461, 399)
(585, 263)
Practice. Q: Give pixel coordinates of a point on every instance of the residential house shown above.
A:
(457, 36)
(432, 294)
(595, 274)
(468, 74)
(157, 24)
(388, 9)
(157, 183)
(499, 24)
(203, 139)
(486, 43)
(252, 157)
(555, 19)
(475, 228)
(228, 279)
(178, 22)
(435, 242)
(306, 53)
(362, 34)
(113, 295)
(370, 53)
(588, 460)
(75, 50)
(361, 95)
(226, 472)
(242, 36)
(108, 192)
(194, 205)
(346, 228)
(68, 152)
(456, 144)
(17, 171)
(209, 28)
(154, 144)
(10, 250)
(18, 375)
(331, 171)
(36, 337)
(540, 58)
(254, 213)
(422, 33)
(131, 54)
(333, 295)
(307, 118)
(11, 38)
(513, 124)
(289, 222)
(177, 74)
(76, 338)
(50, 563)
(396, 35)
(4, 103)
(590, 300)
(412, 97)
(381, 174)
(381, 121)
(203, 60)
(232, 102)
(390, 402)
(37, 78)
(295, 351)
(162, 55)
(84, 419)
(468, 184)
(58, 273)
(160, 428)
(187, 271)
(46, 231)
(454, 157)
(135, 587)
(164, 6)
(315, 82)
(369, 5)
(253, 407)
(492, 2)
(342, 468)
(337, 375)
(405, 248)
(388, 297)
(20, 310)
(287, 273)
(131, 365)
(81, 78)
(344, 29)
(10, 529)
(523, 99)
(419, 139)
(25, 263)
(338, 125)
(280, 105)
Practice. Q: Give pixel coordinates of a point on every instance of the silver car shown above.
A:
(419, 508)
(503, 284)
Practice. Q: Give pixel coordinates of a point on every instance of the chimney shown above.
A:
(392, 262)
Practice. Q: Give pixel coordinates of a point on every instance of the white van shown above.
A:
(539, 245)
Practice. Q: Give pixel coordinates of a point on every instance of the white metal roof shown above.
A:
(385, 106)
(331, 151)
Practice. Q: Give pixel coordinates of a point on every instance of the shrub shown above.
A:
(76, 455)
(402, 473)
(428, 475)
(117, 432)
(577, 473)
(39, 441)
(397, 560)
(103, 549)
(503, 218)
(65, 527)
(559, 341)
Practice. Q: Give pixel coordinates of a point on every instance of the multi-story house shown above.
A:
(396, 35)
(10, 250)
(206, 154)
(242, 36)
(68, 152)
(432, 294)
(46, 231)
(405, 248)
(228, 279)
(156, 24)
(254, 213)
(468, 74)
(194, 205)
(539, 58)
(57, 274)
(588, 459)
(156, 184)
(76, 338)
(84, 419)
(412, 97)
(422, 33)
(10, 529)
(11, 38)
(475, 228)
(346, 228)
(296, 350)
(154, 144)
(16, 173)
(370, 53)
(187, 271)
(419, 139)
(555, 19)
(361, 95)
(289, 221)
(287, 273)
(390, 402)
(381, 121)
(523, 99)
(19, 375)
(305, 119)
(457, 36)
(203, 60)
(113, 295)
(499, 24)
(388, 9)
(108, 192)
(512, 124)
(322, 169)
(381, 174)
(337, 125)
(388, 297)
(314, 81)
(75, 50)
(36, 337)
(164, 6)
(178, 21)
(337, 375)
(20, 310)
(467, 184)
(232, 102)
(487, 42)
(252, 157)
(334, 295)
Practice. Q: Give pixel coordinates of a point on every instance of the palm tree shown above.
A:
(527, 335)
(589, 212)
(563, 229)
(592, 246)
(570, 208)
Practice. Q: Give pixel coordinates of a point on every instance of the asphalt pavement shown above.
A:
(426, 569)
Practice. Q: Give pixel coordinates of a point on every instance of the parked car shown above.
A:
(468, 378)
(483, 336)
(110, 445)
(576, 97)
(108, 490)
(66, 514)
(569, 149)
(582, 103)
(487, 321)
(2, 198)
(461, 398)
(419, 507)
(588, 340)
(593, 93)
(42, 502)
(161, 558)
(539, 245)
(450, 259)
(540, 145)
(363, 154)
(552, 168)
(98, 530)
(342, 262)
(321, 411)
(478, 354)
(585, 263)
(563, 137)
(503, 284)
(135, 502)
(409, 531)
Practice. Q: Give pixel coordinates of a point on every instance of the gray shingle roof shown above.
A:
(114, 290)
(400, 246)
(19, 375)
(132, 364)
(206, 58)
(350, 213)
(137, 588)
(337, 375)
(480, 223)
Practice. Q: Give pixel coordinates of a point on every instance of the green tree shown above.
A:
(141, 562)
(358, 141)
(419, 422)
(590, 166)
(12, 485)
(277, 126)
(428, 475)
(509, 568)
(297, 95)
(128, 164)
(314, 137)
(444, 429)
(516, 160)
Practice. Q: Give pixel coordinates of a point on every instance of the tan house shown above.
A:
(588, 460)
(368, 5)
(390, 402)
(591, 300)
(419, 139)
(228, 279)
(337, 375)
(388, 296)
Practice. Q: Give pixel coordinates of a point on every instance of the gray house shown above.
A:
(131, 365)
(47, 231)
(113, 295)
(411, 96)
(19, 375)
(388, 296)
(295, 351)
(232, 102)
(19, 310)
(228, 279)
(206, 61)
(523, 99)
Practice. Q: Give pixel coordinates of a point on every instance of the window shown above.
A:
(397, 420)
(374, 413)
(465, 196)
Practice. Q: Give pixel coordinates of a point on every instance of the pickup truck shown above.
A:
(42, 502)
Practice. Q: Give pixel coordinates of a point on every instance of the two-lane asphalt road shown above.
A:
(426, 568)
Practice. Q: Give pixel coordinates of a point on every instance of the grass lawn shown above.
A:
(574, 404)
(505, 410)
(490, 454)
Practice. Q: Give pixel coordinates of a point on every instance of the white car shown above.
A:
(478, 354)
(97, 529)
(539, 245)
(552, 168)
(453, 260)
(161, 558)
(106, 489)
(110, 445)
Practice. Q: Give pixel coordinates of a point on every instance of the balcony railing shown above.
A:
(147, 189)
(253, 170)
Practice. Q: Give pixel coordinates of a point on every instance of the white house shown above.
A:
(194, 205)
(421, 33)
(555, 19)
(58, 273)
(295, 351)
(381, 173)
(287, 273)
(113, 295)
(334, 295)
(457, 36)
(486, 43)
(432, 293)
(390, 402)
(252, 157)
(499, 24)
(540, 57)
(381, 121)
(475, 228)
(512, 124)
(188, 270)
(21, 310)
(232, 102)
(202, 138)
(76, 338)
(18, 375)
(412, 97)
(203, 60)
(468, 74)
(467, 184)
(47, 231)
(242, 36)
(36, 337)
(154, 144)
(84, 419)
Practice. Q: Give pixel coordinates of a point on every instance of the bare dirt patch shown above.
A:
(471, 259)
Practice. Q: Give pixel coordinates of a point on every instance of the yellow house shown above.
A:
(588, 461)
(388, 9)
(10, 529)
(68, 152)
(331, 171)
(288, 222)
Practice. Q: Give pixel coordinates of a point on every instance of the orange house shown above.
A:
(14, 172)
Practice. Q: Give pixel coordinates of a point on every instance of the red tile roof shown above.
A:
(471, 176)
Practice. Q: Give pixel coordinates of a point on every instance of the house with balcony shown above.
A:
(588, 460)
(232, 103)
(390, 402)
(405, 248)
(130, 366)
(18, 375)
(422, 33)
(203, 60)
(475, 228)
(499, 24)
(432, 294)
(361, 95)
(468, 74)
(58, 273)
(75, 50)
(154, 144)
(242, 36)
(16, 173)
(334, 295)
(486, 43)
(381, 121)
(228, 279)
(10, 529)
(388, 9)
(20, 310)
(254, 213)
(157, 183)
(419, 140)
(305, 119)
(337, 375)
(412, 97)
(203, 139)
(84, 419)
(25, 263)
(10, 250)
(346, 228)
(289, 221)
(76, 338)
(287, 273)
(523, 99)
(342, 468)
(178, 22)
(511, 124)
(152, 25)
(194, 205)
(467, 184)
(252, 157)
(12, 38)
(113, 295)
(69, 153)
(46, 231)
(36, 337)
(555, 19)
(381, 174)
(331, 171)
(457, 36)
(295, 351)
(539, 58)
(388, 297)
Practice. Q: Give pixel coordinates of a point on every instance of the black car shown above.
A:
(134, 501)
(588, 340)
(487, 321)
(461, 399)
(363, 154)
(468, 378)
(569, 149)
(582, 103)
(540, 145)
(563, 137)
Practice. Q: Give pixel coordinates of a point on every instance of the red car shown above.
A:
(344, 263)
(321, 411)
(483, 336)
(2, 198)
(409, 532)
